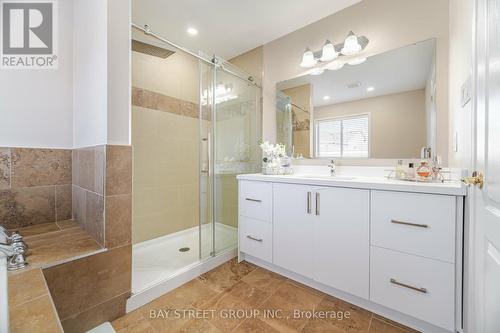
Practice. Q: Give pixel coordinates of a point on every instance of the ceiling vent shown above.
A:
(151, 50)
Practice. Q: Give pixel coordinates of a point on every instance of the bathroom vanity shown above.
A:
(392, 247)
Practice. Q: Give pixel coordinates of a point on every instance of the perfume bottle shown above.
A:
(410, 172)
(424, 171)
(400, 172)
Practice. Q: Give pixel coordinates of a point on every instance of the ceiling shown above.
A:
(403, 69)
(227, 27)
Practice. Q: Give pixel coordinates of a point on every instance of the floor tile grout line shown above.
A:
(370, 324)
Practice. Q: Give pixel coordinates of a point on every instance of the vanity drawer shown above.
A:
(256, 238)
(419, 287)
(421, 224)
(256, 200)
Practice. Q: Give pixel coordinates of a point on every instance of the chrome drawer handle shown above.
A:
(255, 239)
(309, 194)
(253, 200)
(317, 203)
(422, 290)
(411, 224)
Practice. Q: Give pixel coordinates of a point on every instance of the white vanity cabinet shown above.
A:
(293, 228)
(393, 248)
(315, 227)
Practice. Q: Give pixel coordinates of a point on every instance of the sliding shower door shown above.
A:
(230, 127)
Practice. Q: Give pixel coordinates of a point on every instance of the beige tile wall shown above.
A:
(88, 189)
(35, 186)
(166, 178)
(91, 290)
(102, 192)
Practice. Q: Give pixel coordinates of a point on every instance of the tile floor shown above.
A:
(205, 305)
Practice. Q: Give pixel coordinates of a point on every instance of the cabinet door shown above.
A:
(341, 239)
(293, 228)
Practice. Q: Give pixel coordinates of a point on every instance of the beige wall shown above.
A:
(176, 76)
(165, 137)
(389, 24)
(251, 62)
(301, 96)
(461, 46)
(397, 122)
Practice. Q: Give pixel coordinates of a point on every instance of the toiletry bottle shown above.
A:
(400, 172)
(410, 173)
(424, 171)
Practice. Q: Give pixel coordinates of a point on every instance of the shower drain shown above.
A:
(184, 249)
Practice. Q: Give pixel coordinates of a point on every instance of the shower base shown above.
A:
(159, 266)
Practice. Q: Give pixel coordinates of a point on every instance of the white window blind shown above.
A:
(343, 137)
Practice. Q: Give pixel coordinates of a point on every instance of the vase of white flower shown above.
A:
(271, 158)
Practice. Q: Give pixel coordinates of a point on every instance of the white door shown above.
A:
(485, 201)
(341, 239)
(293, 228)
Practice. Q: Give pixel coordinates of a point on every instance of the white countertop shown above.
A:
(364, 182)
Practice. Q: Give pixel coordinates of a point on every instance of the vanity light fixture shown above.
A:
(357, 61)
(308, 59)
(370, 89)
(326, 98)
(192, 31)
(328, 53)
(351, 44)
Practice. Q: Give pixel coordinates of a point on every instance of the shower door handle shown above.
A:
(209, 155)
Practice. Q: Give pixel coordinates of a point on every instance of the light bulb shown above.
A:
(351, 45)
(328, 53)
(192, 31)
(308, 59)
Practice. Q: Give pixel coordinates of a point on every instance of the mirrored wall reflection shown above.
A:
(379, 107)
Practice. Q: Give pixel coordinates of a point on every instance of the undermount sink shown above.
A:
(328, 177)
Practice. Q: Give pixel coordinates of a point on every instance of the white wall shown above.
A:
(119, 77)
(90, 73)
(36, 105)
(389, 24)
(460, 62)
(86, 101)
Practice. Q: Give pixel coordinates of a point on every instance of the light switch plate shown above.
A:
(455, 142)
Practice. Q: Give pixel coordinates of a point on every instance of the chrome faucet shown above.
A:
(332, 167)
(15, 249)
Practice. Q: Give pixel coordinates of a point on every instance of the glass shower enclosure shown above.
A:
(196, 124)
(230, 128)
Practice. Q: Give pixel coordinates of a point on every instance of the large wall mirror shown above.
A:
(380, 108)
